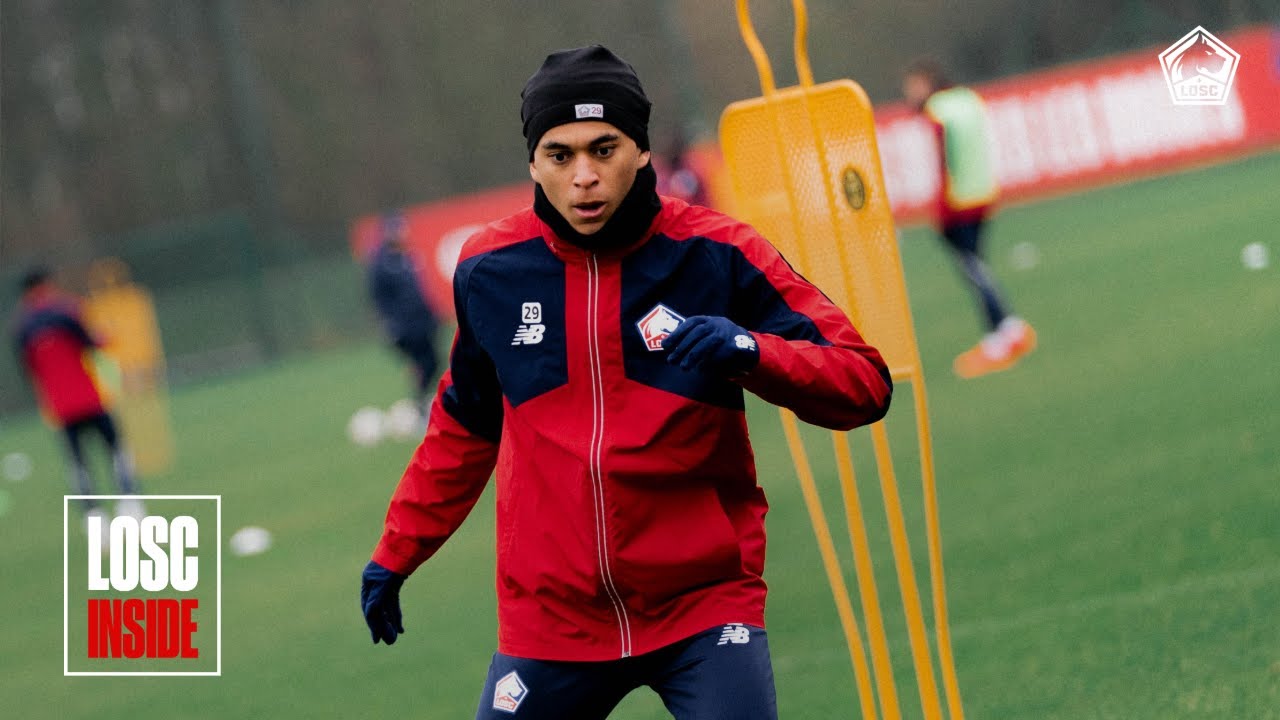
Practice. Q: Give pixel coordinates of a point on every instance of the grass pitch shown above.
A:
(1109, 507)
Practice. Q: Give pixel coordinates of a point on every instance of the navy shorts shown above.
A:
(965, 238)
(100, 423)
(723, 673)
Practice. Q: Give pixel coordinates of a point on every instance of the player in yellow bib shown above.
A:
(968, 193)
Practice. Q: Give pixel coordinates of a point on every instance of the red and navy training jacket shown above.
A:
(628, 512)
(52, 346)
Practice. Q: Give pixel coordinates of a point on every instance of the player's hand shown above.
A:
(712, 344)
(380, 600)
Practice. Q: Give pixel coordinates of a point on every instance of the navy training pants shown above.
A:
(82, 482)
(720, 674)
(965, 241)
(421, 351)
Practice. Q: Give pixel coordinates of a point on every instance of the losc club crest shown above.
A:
(509, 692)
(1199, 69)
(657, 324)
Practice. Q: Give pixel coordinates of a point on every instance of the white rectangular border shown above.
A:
(65, 511)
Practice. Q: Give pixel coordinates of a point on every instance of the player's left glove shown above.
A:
(380, 601)
(712, 344)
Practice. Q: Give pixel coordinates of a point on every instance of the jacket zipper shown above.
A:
(594, 461)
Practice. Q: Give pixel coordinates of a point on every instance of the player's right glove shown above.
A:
(380, 600)
(713, 344)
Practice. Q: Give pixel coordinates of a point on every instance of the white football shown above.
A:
(1255, 256)
(250, 541)
(366, 427)
(1024, 256)
(403, 421)
(16, 467)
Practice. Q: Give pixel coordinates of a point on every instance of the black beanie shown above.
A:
(589, 83)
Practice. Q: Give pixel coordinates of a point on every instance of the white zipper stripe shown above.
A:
(595, 461)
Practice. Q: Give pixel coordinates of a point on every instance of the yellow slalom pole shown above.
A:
(936, 578)
(803, 72)
(768, 91)
(830, 562)
(866, 580)
(929, 700)
(752, 41)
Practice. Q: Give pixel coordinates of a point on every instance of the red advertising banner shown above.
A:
(1069, 128)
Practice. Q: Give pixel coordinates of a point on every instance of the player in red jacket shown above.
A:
(605, 338)
(54, 350)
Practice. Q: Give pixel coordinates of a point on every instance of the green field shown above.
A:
(1110, 508)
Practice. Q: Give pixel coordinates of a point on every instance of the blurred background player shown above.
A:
(55, 351)
(968, 193)
(406, 317)
(679, 177)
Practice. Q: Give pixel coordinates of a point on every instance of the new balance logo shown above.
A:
(735, 633)
(531, 328)
(528, 335)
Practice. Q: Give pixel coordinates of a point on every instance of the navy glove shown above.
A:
(712, 344)
(380, 600)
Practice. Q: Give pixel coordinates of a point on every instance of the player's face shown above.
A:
(586, 169)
